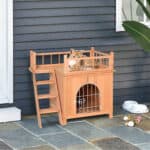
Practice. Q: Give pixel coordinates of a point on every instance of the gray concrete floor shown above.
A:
(94, 133)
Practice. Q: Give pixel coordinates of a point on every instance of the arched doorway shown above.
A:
(88, 99)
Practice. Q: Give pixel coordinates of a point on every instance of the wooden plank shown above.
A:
(44, 82)
(48, 110)
(45, 96)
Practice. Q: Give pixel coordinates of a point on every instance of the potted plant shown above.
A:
(139, 31)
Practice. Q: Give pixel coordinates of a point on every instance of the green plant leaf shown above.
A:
(139, 32)
(147, 12)
(148, 1)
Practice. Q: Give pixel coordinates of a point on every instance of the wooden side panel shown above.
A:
(108, 94)
(78, 81)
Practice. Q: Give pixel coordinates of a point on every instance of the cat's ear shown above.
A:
(72, 51)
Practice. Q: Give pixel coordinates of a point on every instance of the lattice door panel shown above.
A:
(88, 99)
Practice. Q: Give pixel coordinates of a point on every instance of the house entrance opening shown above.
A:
(88, 99)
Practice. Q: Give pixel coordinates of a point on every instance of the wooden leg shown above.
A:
(37, 102)
(60, 118)
(38, 114)
(62, 121)
(110, 115)
(39, 120)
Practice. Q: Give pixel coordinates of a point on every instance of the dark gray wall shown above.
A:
(51, 25)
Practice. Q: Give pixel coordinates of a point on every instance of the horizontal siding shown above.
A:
(63, 28)
(71, 43)
(139, 94)
(61, 12)
(58, 25)
(46, 4)
(63, 36)
(62, 20)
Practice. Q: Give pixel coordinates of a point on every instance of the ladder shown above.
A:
(53, 95)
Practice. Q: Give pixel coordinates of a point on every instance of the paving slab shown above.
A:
(144, 146)
(147, 114)
(144, 124)
(118, 121)
(114, 144)
(42, 147)
(4, 146)
(104, 121)
(118, 110)
(86, 130)
(17, 137)
(130, 134)
(63, 140)
(80, 147)
(49, 126)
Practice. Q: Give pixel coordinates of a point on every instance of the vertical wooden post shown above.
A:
(111, 60)
(92, 51)
(111, 65)
(65, 64)
(36, 100)
(33, 60)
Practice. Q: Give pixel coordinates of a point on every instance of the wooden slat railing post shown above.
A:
(111, 60)
(32, 60)
(92, 53)
(65, 64)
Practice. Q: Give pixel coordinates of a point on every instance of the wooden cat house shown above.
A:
(84, 82)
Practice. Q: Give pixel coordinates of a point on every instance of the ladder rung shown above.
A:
(45, 82)
(42, 71)
(45, 96)
(48, 110)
